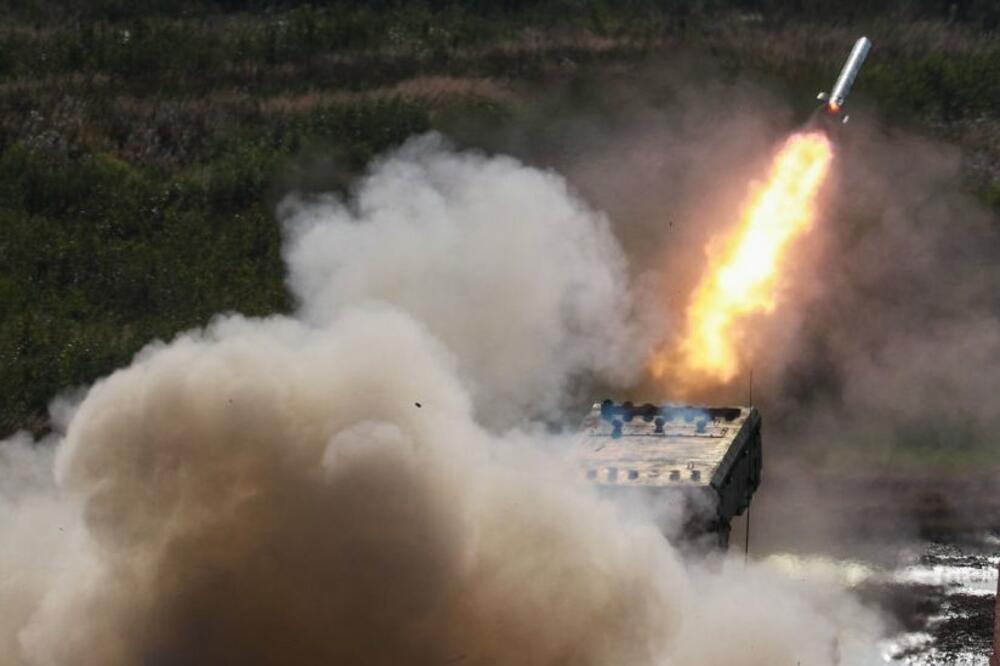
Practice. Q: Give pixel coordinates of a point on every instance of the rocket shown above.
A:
(835, 98)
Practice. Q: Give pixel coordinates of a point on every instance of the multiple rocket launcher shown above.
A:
(709, 454)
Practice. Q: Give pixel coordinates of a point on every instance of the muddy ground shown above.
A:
(921, 547)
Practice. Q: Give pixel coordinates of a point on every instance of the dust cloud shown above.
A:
(362, 482)
(516, 275)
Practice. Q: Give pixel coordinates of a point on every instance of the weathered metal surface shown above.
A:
(710, 451)
(666, 445)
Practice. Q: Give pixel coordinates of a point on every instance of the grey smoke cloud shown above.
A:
(896, 321)
(881, 355)
(267, 491)
(504, 264)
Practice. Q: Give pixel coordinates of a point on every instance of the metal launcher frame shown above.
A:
(710, 458)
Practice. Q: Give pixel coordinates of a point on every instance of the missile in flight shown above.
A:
(835, 98)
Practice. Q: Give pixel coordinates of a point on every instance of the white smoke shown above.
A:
(320, 490)
(514, 274)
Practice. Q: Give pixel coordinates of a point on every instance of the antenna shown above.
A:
(746, 538)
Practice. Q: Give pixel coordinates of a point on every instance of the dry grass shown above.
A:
(799, 42)
(432, 91)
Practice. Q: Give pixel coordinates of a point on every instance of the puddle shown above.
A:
(940, 597)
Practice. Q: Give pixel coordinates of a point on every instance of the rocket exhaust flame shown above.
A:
(742, 277)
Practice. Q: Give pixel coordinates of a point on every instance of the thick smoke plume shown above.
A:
(900, 321)
(882, 355)
(515, 275)
(888, 317)
(319, 489)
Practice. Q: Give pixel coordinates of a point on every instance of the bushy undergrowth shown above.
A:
(98, 257)
(143, 144)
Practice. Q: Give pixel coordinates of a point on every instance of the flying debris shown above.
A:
(836, 98)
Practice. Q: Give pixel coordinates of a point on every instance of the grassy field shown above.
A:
(143, 145)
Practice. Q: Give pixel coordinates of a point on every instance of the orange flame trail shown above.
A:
(742, 277)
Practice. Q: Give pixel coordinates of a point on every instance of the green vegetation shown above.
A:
(144, 143)
(100, 256)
